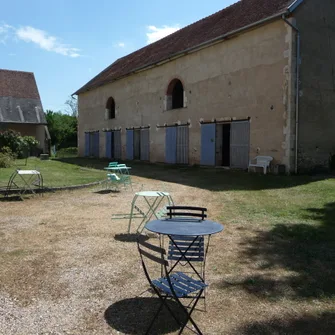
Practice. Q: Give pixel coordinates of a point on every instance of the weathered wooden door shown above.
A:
(208, 144)
(239, 144)
(171, 145)
(182, 145)
(145, 145)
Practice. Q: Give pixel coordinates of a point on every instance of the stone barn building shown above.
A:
(21, 108)
(256, 78)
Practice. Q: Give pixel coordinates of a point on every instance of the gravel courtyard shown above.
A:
(67, 268)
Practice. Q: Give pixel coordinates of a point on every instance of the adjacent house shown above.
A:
(256, 78)
(21, 108)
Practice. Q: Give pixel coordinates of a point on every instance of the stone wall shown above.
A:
(249, 75)
(316, 22)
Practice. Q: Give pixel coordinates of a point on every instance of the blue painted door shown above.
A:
(117, 144)
(171, 145)
(87, 144)
(109, 144)
(130, 145)
(208, 144)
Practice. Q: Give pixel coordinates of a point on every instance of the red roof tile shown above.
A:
(18, 84)
(236, 16)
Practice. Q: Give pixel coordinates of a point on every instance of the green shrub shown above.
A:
(22, 146)
(7, 157)
(67, 152)
(11, 139)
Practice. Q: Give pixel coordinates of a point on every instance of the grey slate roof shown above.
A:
(19, 98)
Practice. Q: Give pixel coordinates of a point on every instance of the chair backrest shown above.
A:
(192, 247)
(186, 212)
(263, 160)
(113, 177)
(113, 164)
(153, 253)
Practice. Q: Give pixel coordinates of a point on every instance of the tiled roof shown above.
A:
(234, 17)
(19, 98)
(18, 84)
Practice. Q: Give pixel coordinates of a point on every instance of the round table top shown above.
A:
(152, 194)
(186, 227)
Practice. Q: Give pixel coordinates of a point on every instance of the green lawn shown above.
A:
(56, 173)
(272, 270)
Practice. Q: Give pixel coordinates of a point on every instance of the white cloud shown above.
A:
(46, 41)
(154, 34)
(121, 45)
(5, 30)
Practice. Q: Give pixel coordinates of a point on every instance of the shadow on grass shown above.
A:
(129, 237)
(133, 316)
(305, 250)
(11, 198)
(308, 324)
(205, 178)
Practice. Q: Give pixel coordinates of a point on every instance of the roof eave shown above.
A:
(200, 46)
(294, 5)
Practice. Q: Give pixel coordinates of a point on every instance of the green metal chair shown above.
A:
(124, 175)
(113, 181)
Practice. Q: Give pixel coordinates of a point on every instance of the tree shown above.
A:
(62, 129)
(72, 106)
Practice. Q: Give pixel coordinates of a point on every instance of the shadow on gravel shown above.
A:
(129, 237)
(133, 316)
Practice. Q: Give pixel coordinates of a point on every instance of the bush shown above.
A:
(67, 152)
(11, 139)
(22, 146)
(6, 157)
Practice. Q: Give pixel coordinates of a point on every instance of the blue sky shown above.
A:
(67, 42)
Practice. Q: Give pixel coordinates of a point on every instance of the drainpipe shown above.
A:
(297, 91)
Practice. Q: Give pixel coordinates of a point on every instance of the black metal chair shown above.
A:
(186, 212)
(185, 250)
(175, 285)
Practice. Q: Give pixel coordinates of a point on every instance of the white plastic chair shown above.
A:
(262, 162)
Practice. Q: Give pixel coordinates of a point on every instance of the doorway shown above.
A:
(137, 143)
(225, 144)
(222, 144)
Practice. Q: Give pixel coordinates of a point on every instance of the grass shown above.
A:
(271, 271)
(55, 173)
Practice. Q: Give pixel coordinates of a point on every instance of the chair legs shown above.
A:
(188, 318)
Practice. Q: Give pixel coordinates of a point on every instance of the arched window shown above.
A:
(110, 108)
(175, 95)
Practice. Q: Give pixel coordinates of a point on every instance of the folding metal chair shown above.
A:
(113, 181)
(185, 250)
(125, 175)
(175, 285)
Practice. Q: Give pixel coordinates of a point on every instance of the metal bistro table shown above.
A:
(30, 179)
(123, 170)
(153, 200)
(174, 228)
